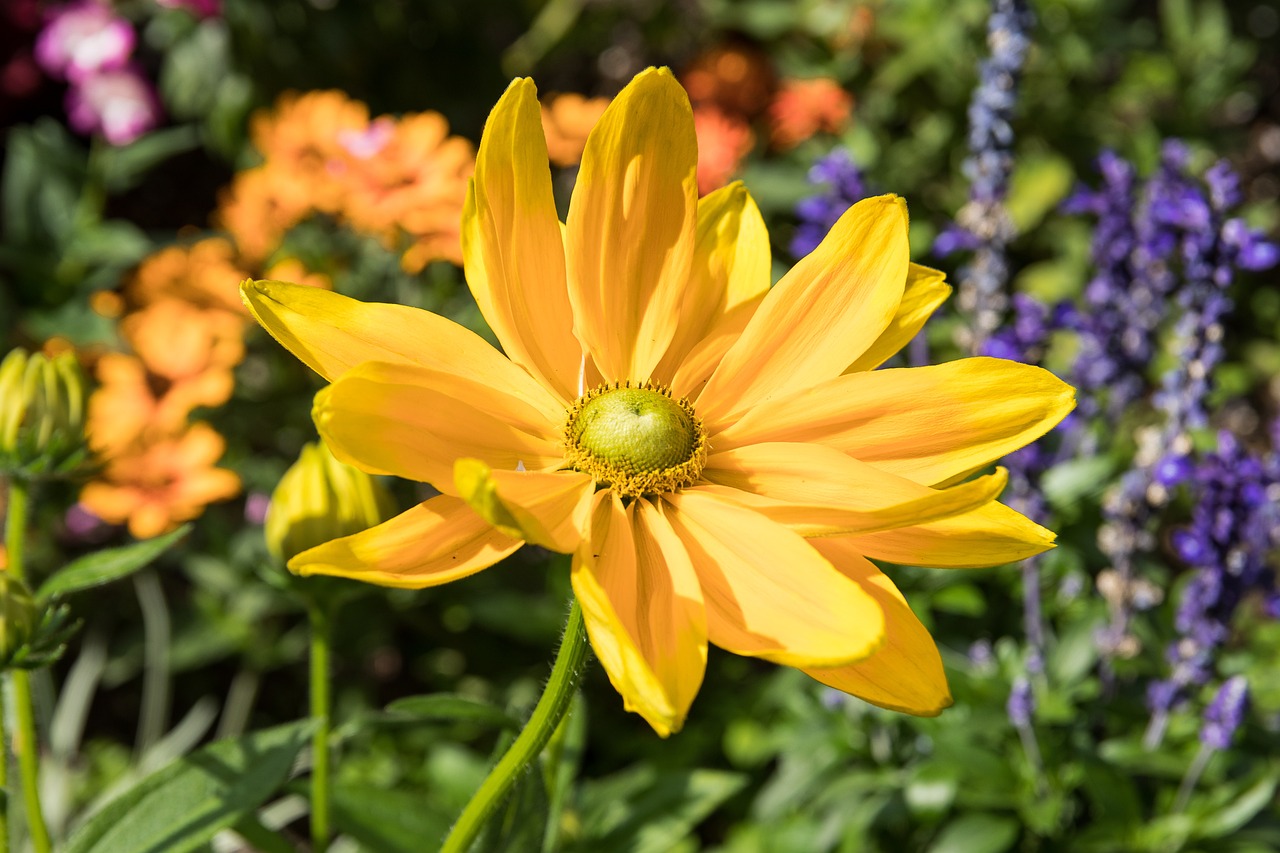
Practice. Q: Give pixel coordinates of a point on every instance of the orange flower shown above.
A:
(804, 107)
(259, 206)
(132, 406)
(301, 137)
(722, 143)
(162, 484)
(415, 181)
(177, 340)
(292, 269)
(205, 274)
(737, 78)
(566, 122)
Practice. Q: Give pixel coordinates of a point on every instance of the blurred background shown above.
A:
(1099, 180)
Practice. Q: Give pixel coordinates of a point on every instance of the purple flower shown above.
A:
(82, 39)
(119, 104)
(1225, 713)
(1022, 702)
(841, 183)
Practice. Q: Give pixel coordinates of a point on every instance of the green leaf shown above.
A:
(1130, 756)
(646, 811)
(977, 833)
(192, 70)
(932, 789)
(1241, 810)
(1067, 483)
(1075, 654)
(963, 599)
(1039, 182)
(447, 707)
(182, 806)
(388, 820)
(124, 167)
(263, 840)
(112, 242)
(103, 567)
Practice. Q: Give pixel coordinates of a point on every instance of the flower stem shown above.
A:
(25, 743)
(1189, 782)
(319, 618)
(548, 713)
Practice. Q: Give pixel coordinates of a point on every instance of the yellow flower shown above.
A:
(671, 421)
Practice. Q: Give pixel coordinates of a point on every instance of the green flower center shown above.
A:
(638, 440)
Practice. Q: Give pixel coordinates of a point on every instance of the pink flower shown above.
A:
(83, 38)
(199, 8)
(119, 104)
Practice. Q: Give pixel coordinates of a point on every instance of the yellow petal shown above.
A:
(631, 226)
(438, 541)
(414, 422)
(820, 317)
(643, 610)
(905, 674)
(768, 593)
(818, 491)
(990, 536)
(332, 333)
(928, 424)
(728, 280)
(926, 290)
(547, 508)
(511, 244)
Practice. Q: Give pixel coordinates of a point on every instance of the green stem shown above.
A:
(550, 709)
(25, 743)
(318, 616)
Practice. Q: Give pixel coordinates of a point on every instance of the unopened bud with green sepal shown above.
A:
(42, 415)
(319, 499)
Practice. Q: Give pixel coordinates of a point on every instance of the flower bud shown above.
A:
(319, 499)
(17, 616)
(42, 413)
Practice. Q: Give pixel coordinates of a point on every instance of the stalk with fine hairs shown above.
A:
(547, 714)
(25, 743)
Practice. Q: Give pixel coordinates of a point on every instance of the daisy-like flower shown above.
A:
(719, 457)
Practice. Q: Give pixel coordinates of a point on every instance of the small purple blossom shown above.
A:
(121, 105)
(1022, 702)
(1225, 713)
(842, 186)
(82, 39)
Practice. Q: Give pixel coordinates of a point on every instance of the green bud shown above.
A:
(18, 616)
(319, 499)
(42, 415)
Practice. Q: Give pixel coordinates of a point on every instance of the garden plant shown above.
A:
(772, 425)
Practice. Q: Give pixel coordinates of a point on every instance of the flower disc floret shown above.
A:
(636, 439)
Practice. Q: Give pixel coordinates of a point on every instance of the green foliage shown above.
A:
(111, 564)
(182, 806)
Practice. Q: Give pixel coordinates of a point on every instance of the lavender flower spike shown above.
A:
(1225, 713)
(983, 223)
(842, 186)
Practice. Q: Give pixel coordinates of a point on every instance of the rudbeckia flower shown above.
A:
(719, 457)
